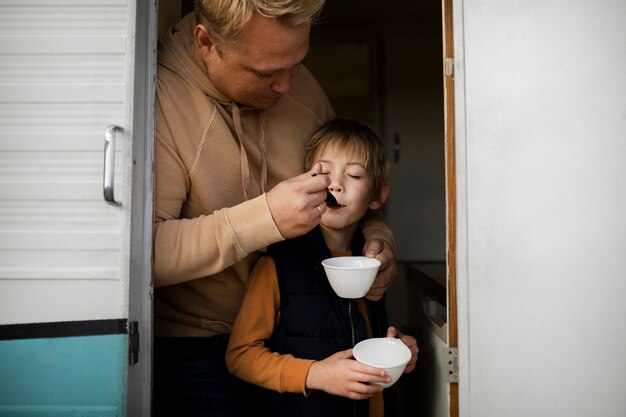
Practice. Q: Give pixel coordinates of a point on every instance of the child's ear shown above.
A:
(377, 203)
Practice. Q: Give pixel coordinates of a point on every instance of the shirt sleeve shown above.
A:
(247, 356)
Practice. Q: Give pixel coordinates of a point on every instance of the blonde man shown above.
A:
(235, 108)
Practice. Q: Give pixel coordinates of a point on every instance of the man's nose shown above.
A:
(282, 84)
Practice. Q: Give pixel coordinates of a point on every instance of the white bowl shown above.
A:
(386, 353)
(351, 276)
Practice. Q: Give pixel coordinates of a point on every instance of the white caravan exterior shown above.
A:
(76, 106)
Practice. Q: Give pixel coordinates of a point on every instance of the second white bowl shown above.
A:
(386, 353)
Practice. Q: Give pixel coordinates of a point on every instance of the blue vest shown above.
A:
(315, 323)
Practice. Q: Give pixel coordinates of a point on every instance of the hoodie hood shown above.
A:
(178, 52)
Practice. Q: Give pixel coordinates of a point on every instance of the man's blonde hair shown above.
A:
(226, 18)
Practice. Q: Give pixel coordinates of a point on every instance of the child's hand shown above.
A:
(340, 375)
(411, 344)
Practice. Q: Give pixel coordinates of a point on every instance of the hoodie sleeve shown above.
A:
(187, 244)
(374, 227)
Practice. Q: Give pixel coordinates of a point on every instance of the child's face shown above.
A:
(351, 185)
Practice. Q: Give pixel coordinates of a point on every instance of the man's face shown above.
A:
(258, 71)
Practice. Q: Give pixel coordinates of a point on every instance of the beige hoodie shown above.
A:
(214, 163)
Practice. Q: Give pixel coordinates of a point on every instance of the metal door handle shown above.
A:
(109, 164)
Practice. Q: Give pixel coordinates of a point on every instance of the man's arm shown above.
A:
(379, 244)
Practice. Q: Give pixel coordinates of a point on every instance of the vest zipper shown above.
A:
(351, 323)
(353, 343)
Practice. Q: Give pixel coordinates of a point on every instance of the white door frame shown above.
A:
(140, 308)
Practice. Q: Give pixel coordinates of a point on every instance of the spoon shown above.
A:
(331, 201)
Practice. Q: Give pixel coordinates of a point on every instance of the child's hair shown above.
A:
(348, 135)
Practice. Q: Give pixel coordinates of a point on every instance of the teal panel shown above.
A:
(71, 376)
(57, 411)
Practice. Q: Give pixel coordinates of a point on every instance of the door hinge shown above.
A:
(450, 365)
(133, 342)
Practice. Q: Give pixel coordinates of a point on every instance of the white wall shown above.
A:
(541, 116)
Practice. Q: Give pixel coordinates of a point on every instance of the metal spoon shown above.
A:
(331, 201)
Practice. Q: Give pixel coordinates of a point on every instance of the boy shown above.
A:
(293, 335)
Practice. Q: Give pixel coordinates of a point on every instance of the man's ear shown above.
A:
(377, 203)
(203, 39)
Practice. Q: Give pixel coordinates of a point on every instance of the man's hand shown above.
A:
(340, 375)
(410, 342)
(381, 250)
(297, 204)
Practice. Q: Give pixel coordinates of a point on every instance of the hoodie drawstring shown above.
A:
(243, 157)
(263, 146)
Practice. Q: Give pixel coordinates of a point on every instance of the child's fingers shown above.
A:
(370, 374)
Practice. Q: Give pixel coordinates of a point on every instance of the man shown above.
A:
(235, 108)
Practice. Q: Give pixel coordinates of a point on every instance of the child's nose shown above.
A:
(335, 187)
